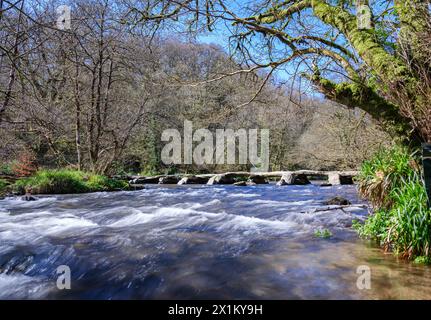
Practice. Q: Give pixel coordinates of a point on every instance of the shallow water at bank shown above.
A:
(186, 242)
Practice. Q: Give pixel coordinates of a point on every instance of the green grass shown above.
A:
(67, 181)
(384, 172)
(3, 186)
(324, 234)
(422, 260)
(401, 221)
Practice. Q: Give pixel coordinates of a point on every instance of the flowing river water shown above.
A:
(197, 242)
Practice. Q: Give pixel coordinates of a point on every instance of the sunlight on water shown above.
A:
(197, 242)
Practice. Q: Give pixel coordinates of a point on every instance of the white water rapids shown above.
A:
(188, 242)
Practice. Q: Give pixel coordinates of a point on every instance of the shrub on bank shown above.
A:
(3, 186)
(103, 183)
(385, 172)
(67, 181)
(6, 168)
(392, 181)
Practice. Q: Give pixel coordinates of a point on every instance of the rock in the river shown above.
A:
(169, 180)
(293, 179)
(339, 201)
(346, 179)
(135, 187)
(244, 183)
(226, 178)
(28, 197)
(194, 180)
(325, 185)
(256, 179)
(337, 178)
(124, 177)
(146, 180)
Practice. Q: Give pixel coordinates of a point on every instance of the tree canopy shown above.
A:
(382, 68)
(98, 94)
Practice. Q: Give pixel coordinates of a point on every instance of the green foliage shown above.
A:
(103, 183)
(386, 171)
(3, 185)
(375, 227)
(6, 168)
(171, 170)
(150, 172)
(67, 181)
(412, 219)
(422, 260)
(324, 234)
(392, 181)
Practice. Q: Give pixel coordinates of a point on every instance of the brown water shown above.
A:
(200, 242)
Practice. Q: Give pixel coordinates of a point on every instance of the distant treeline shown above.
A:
(98, 96)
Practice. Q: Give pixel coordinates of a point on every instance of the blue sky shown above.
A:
(220, 37)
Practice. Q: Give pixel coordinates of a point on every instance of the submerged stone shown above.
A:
(256, 179)
(28, 197)
(340, 201)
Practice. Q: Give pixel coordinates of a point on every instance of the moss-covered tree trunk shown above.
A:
(396, 88)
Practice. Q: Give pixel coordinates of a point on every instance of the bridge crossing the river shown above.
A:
(299, 177)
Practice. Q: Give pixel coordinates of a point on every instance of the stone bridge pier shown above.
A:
(300, 177)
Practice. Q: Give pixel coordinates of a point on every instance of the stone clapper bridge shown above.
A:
(300, 177)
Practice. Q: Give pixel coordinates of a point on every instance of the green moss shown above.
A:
(355, 95)
(365, 43)
(277, 14)
(67, 181)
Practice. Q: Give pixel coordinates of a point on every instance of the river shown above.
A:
(197, 242)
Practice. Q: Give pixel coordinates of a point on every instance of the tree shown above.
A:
(384, 69)
(79, 89)
(98, 96)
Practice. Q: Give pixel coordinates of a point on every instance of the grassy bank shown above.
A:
(392, 181)
(67, 181)
(3, 186)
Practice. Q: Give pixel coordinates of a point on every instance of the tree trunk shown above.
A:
(14, 62)
(77, 117)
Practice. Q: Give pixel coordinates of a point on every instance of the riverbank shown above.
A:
(64, 181)
(392, 180)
